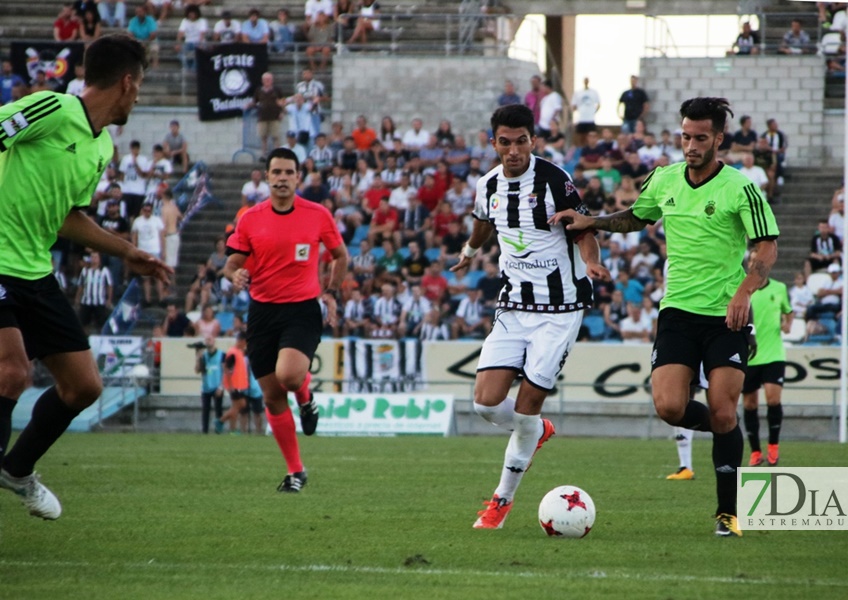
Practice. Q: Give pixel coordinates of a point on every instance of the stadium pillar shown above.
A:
(561, 40)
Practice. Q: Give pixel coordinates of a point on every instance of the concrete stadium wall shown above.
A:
(787, 88)
(463, 89)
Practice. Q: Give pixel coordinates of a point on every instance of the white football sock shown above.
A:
(519, 451)
(683, 437)
(500, 415)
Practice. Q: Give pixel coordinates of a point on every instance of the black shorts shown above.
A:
(271, 327)
(684, 338)
(254, 405)
(40, 310)
(757, 375)
(584, 127)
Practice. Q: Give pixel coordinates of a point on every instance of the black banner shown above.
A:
(227, 75)
(56, 59)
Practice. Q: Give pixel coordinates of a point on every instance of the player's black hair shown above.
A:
(515, 116)
(286, 153)
(111, 57)
(701, 109)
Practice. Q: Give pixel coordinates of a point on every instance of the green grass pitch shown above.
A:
(188, 516)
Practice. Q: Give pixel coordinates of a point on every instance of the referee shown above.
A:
(709, 211)
(69, 134)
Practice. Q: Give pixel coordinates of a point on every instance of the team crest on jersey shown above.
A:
(14, 124)
(710, 209)
(532, 200)
(301, 252)
(569, 187)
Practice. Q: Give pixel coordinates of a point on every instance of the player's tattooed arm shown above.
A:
(762, 259)
(621, 222)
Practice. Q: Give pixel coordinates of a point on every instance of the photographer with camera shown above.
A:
(210, 367)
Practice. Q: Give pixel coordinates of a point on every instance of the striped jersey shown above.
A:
(540, 264)
(50, 163)
(707, 228)
(95, 284)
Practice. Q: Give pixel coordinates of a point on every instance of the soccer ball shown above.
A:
(567, 511)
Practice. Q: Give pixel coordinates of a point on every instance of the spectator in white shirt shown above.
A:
(227, 30)
(416, 138)
(638, 325)
(754, 172)
(255, 190)
(148, 234)
(800, 296)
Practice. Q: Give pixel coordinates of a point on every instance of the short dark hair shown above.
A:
(111, 57)
(286, 153)
(701, 109)
(513, 115)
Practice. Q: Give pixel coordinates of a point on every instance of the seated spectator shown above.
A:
(829, 296)
(391, 172)
(66, 27)
(415, 309)
(390, 264)
(364, 266)
(415, 225)
(650, 152)
(470, 319)
(227, 30)
(143, 28)
(386, 315)
(375, 156)
(434, 328)
(363, 136)
(836, 220)
(190, 35)
(459, 197)
(415, 265)
(384, 222)
(77, 84)
(442, 219)
(642, 264)
(8, 82)
(176, 324)
(434, 284)
(458, 157)
(256, 190)
(631, 289)
(320, 40)
(609, 177)
(208, 324)
(255, 30)
(322, 155)
(591, 154)
(315, 189)
(367, 22)
(282, 33)
(89, 26)
(490, 286)
(754, 172)
(312, 8)
(594, 196)
(176, 146)
(357, 316)
(626, 194)
(451, 244)
(80, 6)
(743, 141)
(159, 9)
(113, 13)
(796, 40)
(747, 42)
(615, 311)
(825, 249)
(638, 325)
(634, 168)
(800, 296)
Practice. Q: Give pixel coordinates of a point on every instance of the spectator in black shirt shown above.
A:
(176, 323)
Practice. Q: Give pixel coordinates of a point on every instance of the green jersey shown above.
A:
(50, 163)
(706, 226)
(769, 305)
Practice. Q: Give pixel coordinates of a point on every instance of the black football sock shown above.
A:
(774, 416)
(727, 457)
(50, 419)
(7, 405)
(696, 416)
(752, 426)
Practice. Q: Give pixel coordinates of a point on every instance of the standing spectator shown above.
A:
(94, 293)
(509, 96)
(367, 21)
(89, 26)
(747, 42)
(256, 190)
(113, 12)
(300, 119)
(825, 249)
(171, 218)
(313, 92)
(319, 39)
(77, 84)
(8, 82)
(585, 103)
(191, 34)
(269, 101)
(255, 30)
(210, 366)
(175, 146)
(66, 26)
(235, 382)
(143, 28)
(227, 30)
(796, 40)
(148, 235)
(534, 97)
(416, 138)
(633, 105)
(777, 144)
(135, 170)
(282, 33)
(160, 170)
(284, 324)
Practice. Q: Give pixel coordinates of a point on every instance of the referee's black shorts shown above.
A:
(685, 338)
(271, 327)
(40, 310)
(757, 375)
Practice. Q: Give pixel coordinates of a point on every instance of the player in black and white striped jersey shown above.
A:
(546, 272)
(94, 292)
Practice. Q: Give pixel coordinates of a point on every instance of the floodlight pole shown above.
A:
(843, 342)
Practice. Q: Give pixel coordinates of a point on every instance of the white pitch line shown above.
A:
(412, 570)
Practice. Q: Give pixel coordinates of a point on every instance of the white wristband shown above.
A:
(469, 251)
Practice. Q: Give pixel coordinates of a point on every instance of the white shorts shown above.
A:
(536, 344)
(172, 249)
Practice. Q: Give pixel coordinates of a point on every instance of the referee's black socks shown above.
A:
(727, 457)
(50, 419)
